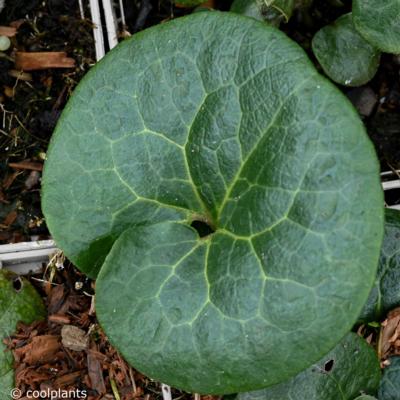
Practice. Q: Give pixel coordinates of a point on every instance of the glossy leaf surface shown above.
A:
(219, 118)
(389, 388)
(345, 56)
(379, 23)
(350, 369)
(385, 294)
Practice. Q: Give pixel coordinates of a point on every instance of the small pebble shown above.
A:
(32, 180)
(74, 338)
(364, 100)
(5, 43)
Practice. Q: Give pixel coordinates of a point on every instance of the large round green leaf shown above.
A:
(219, 118)
(389, 388)
(345, 56)
(379, 22)
(350, 369)
(18, 302)
(385, 295)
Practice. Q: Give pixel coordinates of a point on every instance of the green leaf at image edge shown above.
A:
(235, 128)
(23, 305)
(351, 368)
(385, 294)
(379, 23)
(389, 388)
(345, 56)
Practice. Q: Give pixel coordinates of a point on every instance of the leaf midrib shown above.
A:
(254, 148)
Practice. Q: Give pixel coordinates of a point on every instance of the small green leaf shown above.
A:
(351, 368)
(385, 294)
(218, 118)
(366, 397)
(343, 53)
(378, 21)
(271, 11)
(389, 388)
(18, 302)
(250, 8)
(285, 7)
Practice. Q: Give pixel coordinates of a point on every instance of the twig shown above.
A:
(132, 378)
(4, 111)
(115, 389)
(44, 281)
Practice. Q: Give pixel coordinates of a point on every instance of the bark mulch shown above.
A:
(69, 350)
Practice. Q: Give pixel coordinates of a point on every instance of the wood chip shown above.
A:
(95, 353)
(3, 198)
(8, 31)
(74, 338)
(40, 350)
(10, 218)
(34, 166)
(17, 23)
(56, 298)
(24, 373)
(59, 319)
(43, 60)
(95, 374)
(390, 334)
(67, 379)
(9, 179)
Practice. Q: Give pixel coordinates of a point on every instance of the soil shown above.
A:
(30, 105)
